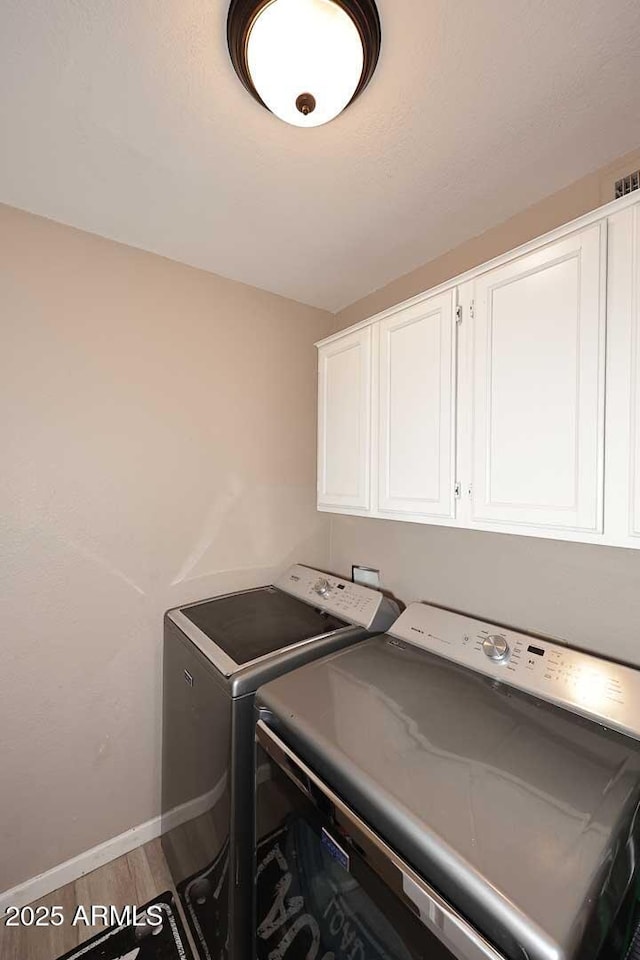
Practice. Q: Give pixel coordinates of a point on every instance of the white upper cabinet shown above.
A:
(344, 423)
(416, 443)
(634, 394)
(537, 399)
(622, 449)
(507, 399)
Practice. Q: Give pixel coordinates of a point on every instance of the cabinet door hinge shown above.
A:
(457, 490)
(458, 314)
(472, 309)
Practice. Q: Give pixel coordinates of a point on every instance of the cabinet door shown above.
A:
(344, 422)
(538, 387)
(622, 464)
(417, 409)
(634, 397)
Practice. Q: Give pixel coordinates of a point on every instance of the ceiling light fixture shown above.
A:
(304, 60)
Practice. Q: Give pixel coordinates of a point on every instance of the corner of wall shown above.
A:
(572, 201)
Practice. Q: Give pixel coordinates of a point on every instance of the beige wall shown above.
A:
(588, 594)
(576, 199)
(158, 445)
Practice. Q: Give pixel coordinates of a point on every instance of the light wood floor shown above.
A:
(134, 879)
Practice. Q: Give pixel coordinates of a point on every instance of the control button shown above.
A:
(323, 588)
(496, 648)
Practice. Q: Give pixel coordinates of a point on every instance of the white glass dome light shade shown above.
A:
(298, 47)
(305, 60)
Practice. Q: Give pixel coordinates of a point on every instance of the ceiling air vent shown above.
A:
(627, 184)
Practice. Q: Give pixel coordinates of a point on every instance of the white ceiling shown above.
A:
(125, 118)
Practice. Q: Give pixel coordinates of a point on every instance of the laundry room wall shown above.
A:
(158, 446)
(589, 595)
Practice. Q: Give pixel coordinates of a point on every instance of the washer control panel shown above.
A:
(495, 646)
(349, 601)
(583, 683)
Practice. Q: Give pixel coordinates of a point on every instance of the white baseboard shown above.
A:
(77, 867)
(90, 860)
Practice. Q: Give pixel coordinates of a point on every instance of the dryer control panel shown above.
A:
(586, 684)
(350, 601)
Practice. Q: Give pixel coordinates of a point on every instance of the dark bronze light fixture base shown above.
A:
(306, 103)
(243, 13)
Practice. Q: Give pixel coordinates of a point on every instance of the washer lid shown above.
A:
(521, 814)
(255, 623)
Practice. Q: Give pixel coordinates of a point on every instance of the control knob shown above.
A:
(323, 588)
(496, 648)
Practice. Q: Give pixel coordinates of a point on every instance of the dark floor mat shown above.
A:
(166, 941)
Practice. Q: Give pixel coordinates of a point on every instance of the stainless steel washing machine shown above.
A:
(453, 790)
(216, 654)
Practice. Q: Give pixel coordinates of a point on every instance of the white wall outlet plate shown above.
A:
(367, 576)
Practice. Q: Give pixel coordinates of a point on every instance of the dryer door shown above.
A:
(328, 888)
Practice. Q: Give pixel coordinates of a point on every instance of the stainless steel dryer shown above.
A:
(451, 790)
(216, 653)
